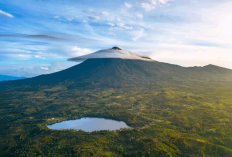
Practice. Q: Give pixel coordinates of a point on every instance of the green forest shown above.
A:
(168, 121)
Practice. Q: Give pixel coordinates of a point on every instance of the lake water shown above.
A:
(90, 124)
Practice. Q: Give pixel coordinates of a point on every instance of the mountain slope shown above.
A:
(114, 72)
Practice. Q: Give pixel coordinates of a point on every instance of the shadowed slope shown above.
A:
(109, 72)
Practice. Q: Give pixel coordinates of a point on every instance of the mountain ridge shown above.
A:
(115, 72)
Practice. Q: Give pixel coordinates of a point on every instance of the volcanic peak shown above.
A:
(114, 52)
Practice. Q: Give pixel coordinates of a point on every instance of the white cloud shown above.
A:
(105, 13)
(216, 24)
(29, 70)
(122, 25)
(123, 13)
(139, 34)
(6, 14)
(147, 6)
(111, 24)
(13, 56)
(128, 5)
(57, 66)
(140, 16)
(40, 57)
(44, 68)
(111, 53)
(77, 51)
(189, 55)
(23, 57)
(69, 19)
(157, 2)
(128, 27)
(151, 4)
(4, 28)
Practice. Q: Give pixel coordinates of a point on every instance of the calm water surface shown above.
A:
(89, 124)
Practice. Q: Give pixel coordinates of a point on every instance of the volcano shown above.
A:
(117, 67)
(114, 52)
(171, 110)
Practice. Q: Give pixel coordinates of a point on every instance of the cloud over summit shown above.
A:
(115, 52)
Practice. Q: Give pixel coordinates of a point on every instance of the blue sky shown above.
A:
(38, 36)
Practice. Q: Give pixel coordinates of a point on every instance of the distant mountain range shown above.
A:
(116, 72)
(5, 78)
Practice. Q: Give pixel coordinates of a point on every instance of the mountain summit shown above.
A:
(114, 52)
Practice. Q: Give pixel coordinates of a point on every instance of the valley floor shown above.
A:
(178, 121)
